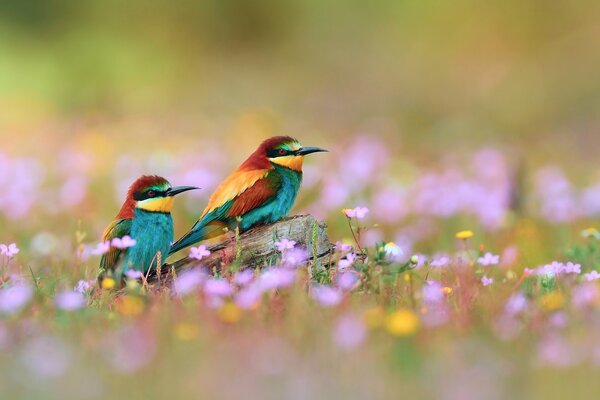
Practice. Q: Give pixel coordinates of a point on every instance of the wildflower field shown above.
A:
(461, 193)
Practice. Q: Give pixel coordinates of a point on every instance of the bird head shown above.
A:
(154, 193)
(286, 152)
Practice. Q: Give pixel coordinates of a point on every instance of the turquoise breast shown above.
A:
(153, 233)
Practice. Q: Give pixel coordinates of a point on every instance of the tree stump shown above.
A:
(256, 247)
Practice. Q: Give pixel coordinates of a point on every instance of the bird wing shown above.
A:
(262, 191)
(233, 186)
(117, 229)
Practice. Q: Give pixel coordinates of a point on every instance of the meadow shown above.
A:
(461, 191)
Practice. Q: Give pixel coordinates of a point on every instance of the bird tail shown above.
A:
(198, 234)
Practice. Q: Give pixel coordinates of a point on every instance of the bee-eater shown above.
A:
(261, 190)
(145, 217)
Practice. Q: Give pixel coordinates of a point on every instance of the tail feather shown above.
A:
(198, 234)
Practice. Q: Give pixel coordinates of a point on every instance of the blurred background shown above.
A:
(414, 98)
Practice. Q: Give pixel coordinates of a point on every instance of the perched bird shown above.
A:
(146, 218)
(261, 190)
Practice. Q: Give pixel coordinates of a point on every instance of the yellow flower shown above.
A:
(552, 301)
(402, 322)
(447, 290)
(130, 305)
(230, 313)
(185, 331)
(374, 317)
(464, 235)
(108, 283)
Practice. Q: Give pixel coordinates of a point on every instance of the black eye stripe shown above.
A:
(273, 153)
(144, 195)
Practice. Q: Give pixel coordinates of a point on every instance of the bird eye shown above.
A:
(282, 152)
(151, 193)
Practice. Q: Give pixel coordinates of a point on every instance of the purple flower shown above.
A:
(244, 277)
(200, 252)
(14, 298)
(488, 259)
(326, 296)
(218, 288)
(69, 300)
(101, 248)
(347, 262)
(285, 244)
(276, 278)
(515, 304)
(133, 274)
(248, 297)
(9, 250)
(591, 276)
(440, 262)
(485, 281)
(358, 212)
(347, 280)
(585, 294)
(349, 332)
(188, 281)
(571, 268)
(432, 292)
(83, 286)
(295, 257)
(123, 243)
(342, 248)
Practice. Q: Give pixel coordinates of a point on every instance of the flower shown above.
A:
(130, 305)
(488, 259)
(188, 281)
(585, 294)
(349, 332)
(14, 298)
(244, 277)
(326, 296)
(402, 322)
(393, 251)
(347, 280)
(285, 244)
(464, 235)
(9, 250)
(69, 300)
(123, 243)
(440, 262)
(432, 292)
(276, 278)
(200, 252)
(295, 257)
(249, 297)
(357, 212)
(101, 248)
(133, 274)
(515, 304)
(552, 301)
(83, 286)
(108, 283)
(230, 313)
(485, 281)
(347, 262)
(218, 288)
(342, 248)
(590, 233)
(591, 276)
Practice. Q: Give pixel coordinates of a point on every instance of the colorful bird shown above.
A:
(146, 218)
(261, 190)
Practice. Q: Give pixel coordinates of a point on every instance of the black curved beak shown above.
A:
(174, 191)
(309, 150)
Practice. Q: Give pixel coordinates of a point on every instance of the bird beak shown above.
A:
(309, 150)
(180, 189)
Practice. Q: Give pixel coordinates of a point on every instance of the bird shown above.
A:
(145, 217)
(261, 190)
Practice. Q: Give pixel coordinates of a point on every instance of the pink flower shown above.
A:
(584, 295)
(14, 298)
(276, 278)
(242, 278)
(342, 248)
(347, 262)
(200, 252)
(432, 292)
(349, 332)
(440, 262)
(488, 259)
(515, 304)
(188, 281)
(123, 243)
(69, 300)
(248, 297)
(133, 274)
(83, 286)
(218, 288)
(591, 276)
(295, 257)
(348, 280)
(285, 244)
(326, 296)
(101, 248)
(485, 281)
(9, 250)
(358, 212)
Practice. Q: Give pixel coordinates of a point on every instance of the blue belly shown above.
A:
(153, 233)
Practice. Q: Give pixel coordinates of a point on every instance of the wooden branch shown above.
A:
(257, 246)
